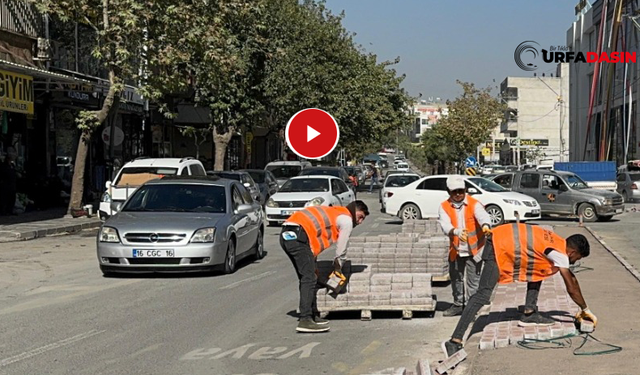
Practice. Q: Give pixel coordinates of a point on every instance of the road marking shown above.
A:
(252, 278)
(364, 234)
(42, 302)
(265, 352)
(49, 347)
(340, 366)
(375, 225)
(371, 347)
(145, 350)
(370, 360)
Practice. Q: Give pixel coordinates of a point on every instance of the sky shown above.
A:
(439, 41)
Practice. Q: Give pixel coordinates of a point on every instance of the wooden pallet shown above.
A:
(366, 311)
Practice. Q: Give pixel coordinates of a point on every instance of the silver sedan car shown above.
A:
(182, 224)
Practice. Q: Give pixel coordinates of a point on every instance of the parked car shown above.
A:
(422, 198)
(284, 170)
(136, 172)
(182, 224)
(244, 178)
(357, 172)
(392, 182)
(628, 185)
(303, 191)
(266, 181)
(339, 172)
(563, 193)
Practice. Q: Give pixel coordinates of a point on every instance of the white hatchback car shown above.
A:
(304, 191)
(393, 182)
(402, 167)
(422, 198)
(136, 172)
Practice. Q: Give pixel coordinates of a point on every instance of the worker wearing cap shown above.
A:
(525, 253)
(304, 236)
(466, 222)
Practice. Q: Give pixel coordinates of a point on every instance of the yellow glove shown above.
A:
(464, 236)
(588, 315)
(486, 230)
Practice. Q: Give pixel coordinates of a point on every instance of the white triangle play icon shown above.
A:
(311, 133)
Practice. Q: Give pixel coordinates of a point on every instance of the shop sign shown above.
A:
(16, 92)
(529, 142)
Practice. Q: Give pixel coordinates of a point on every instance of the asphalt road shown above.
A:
(60, 316)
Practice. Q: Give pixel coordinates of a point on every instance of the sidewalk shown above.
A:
(611, 292)
(42, 223)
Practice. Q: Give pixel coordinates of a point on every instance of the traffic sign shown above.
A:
(312, 133)
(470, 171)
(486, 151)
(470, 162)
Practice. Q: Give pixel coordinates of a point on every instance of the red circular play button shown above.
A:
(312, 133)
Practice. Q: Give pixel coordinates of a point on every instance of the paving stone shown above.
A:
(380, 288)
(487, 343)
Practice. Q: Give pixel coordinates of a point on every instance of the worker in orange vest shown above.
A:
(465, 221)
(304, 236)
(525, 253)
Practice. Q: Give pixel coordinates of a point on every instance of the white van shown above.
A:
(284, 170)
(135, 173)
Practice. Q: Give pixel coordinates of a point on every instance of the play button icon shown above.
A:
(312, 133)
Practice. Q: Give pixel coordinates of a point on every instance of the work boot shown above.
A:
(450, 348)
(307, 325)
(454, 310)
(535, 319)
(318, 320)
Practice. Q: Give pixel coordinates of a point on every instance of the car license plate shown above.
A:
(287, 212)
(619, 210)
(153, 253)
(535, 212)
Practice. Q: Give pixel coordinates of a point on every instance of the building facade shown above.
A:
(426, 114)
(603, 121)
(536, 124)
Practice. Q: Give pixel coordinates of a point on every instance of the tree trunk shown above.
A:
(221, 141)
(77, 184)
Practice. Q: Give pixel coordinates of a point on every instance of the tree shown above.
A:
(118, 26)
(471, 118)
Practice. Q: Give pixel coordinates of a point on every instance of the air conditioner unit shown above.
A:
(44, 49)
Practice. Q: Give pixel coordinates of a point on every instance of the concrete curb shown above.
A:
(30, 231)
(632, 270)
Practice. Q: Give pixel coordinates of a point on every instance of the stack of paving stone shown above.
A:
(502, 323)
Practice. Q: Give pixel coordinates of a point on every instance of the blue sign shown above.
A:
(471, 162)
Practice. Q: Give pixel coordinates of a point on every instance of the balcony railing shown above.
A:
(20, 17)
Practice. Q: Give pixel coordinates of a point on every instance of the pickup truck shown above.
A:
(563, 193)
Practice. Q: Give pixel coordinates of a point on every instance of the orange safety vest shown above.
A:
(474, 230)
(319, 223)
(519, 250)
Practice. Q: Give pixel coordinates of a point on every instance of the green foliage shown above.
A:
(470, 120)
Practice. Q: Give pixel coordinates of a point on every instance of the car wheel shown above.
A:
(410, 212)
(230, 259)
(496, 214)
(259, 246)
(605, 218)
(588, 212)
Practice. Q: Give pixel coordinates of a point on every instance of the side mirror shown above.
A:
(244, 208)
(107, 185)
(472, 191)
(563, 187)
(117, 206)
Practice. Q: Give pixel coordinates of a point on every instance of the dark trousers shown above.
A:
(488, 281)
(304, 263)
(7, 200)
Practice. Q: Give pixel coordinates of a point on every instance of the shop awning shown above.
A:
(41, 73)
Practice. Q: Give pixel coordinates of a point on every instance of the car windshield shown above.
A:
(258, 177)
(400, 181)
(178, 198)
(487, 185)
(300, 185)
(320, 171)
(284, 171)
(136, 176)
(575, 182)
(229, 176)
(350, 170)
(634, 176)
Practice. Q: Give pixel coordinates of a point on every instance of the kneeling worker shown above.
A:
(304, 236)
(527, 253)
